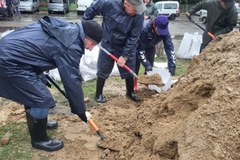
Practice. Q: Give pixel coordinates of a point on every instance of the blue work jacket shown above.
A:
(120, 31)
(149, 39)
(47, 44)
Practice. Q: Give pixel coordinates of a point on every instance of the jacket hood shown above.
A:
(57, 28)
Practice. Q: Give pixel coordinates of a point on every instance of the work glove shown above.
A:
(83, 117)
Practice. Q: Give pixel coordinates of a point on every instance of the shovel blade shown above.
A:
(154, 79)
(166, 80)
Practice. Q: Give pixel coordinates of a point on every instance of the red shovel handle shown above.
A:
(115, 59)
(211, 35)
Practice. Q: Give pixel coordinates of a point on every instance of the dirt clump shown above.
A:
(154, 79)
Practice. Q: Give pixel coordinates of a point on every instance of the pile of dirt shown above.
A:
(198, 118)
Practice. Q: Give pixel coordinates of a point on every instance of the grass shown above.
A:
(181, 64)
(19, 146)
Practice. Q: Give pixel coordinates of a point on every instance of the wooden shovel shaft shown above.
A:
(90, 121)
(94, 126)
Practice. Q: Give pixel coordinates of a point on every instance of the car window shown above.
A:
(158, 6)
(55, 1)
(170, 6)
(238, 10)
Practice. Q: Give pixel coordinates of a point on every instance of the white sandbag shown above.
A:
(166, 79)
(88, 66)
(54, 74)
(190, 45)
(160, 64)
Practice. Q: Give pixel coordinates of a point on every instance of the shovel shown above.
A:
(144, 79)
(115, 59)
(94, 126)
(90, 121)
(209, 33)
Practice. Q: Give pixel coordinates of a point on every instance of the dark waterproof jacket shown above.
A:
(44, 45)
(219, 21)
(148, 39)
(120, 31)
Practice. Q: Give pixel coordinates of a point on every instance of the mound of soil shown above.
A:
(198, 118)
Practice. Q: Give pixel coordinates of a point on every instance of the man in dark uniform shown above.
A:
(221, 17)
(155, 31)
(29, 51)
(122, 25)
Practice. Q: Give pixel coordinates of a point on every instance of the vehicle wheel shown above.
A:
(80, 12)
(172, 17)
(204, 20)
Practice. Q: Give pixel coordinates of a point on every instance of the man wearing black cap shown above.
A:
(122, 25)
(29, 51)
(155, 31)
(221, 17)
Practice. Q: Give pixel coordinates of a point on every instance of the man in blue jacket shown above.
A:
(154, 31)
(122, 25)
(29, 51)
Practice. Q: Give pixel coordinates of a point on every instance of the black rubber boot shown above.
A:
(51, 124)
(38, 132)
(130, 89)
(99, 98)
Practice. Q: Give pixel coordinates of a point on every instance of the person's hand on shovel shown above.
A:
(121, 61)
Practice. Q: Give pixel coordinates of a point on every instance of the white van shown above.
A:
(58, 6)
(168, 8)
(29, 6)
(82, 5)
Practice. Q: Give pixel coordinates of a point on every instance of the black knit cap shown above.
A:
(92, 30)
